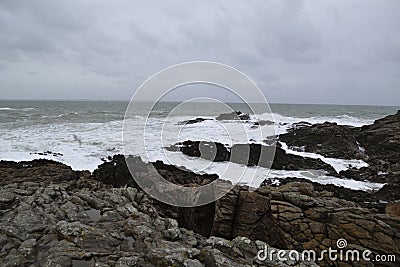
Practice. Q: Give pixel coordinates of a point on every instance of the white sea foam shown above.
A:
(337, 164)
(283, 123)
(23, 109)
(254, 176)
(100, 140)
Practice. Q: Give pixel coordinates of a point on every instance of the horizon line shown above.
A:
(177, 101)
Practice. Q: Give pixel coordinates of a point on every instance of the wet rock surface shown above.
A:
(251, 155)
(236, 115)
(378, 144)
(232, 116)
(381, 141)
(328, 139)
(193, 121)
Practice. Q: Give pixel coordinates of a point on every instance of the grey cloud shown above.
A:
(297, 51)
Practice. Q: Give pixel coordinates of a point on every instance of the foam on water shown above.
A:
(13, 109)
(283, 123)
(254, 176)
(103, 139)
(337, 164)
(98, 140)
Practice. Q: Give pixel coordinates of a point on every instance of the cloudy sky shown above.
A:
(311, 51)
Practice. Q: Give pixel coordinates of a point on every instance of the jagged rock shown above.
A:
(208, 150)
(375, 199)
(116, 172)
(50, 226)
(378, 144)
(251, 155)
(308, 220)
(236, 115)
(39, 170)
(328, 139)
(381, 141)
(192, 121)
(53, 223)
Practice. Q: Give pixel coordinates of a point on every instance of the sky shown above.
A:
(311, 51)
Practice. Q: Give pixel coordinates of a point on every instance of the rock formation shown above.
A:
(251, 155)
(78, 221)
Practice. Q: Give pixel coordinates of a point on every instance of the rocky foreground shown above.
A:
(51, 215)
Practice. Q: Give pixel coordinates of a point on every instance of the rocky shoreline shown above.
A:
(51, 215)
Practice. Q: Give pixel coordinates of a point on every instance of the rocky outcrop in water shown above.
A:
(236, 115)
(378, 144)
(192, 121)
(251, 155)
(328, 139)
(381, 141)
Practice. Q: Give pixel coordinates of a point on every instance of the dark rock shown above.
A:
(236, 115)
(328, 139)
(44, 223)
(300, 124)
(251, 155)
(192, 121)
(116, 172)
(381, 141)
(375, 199)
(261, 123)
(39, 170)
(208, 150)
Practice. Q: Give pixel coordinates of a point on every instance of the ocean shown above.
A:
(82, 133)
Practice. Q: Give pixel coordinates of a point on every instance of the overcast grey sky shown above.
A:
(311, 51)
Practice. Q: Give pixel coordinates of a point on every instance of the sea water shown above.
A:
(82, 133)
